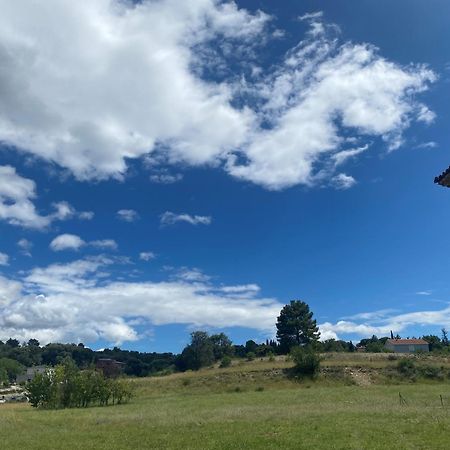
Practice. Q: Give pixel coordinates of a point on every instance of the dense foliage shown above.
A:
(66, 386)
(14, 357)
(306, 361)
(204, 350)
(296, 326)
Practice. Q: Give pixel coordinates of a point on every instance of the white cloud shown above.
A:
(104, 244)
(344, 155)
(170, 218)
(9, 291)
(86, 215)
(423, 293)
(67, 242)
(427, 145)
(73, 242)
(343, 181)
(97, 82)
(166, 178)
(25, 246)
(146, 256)
(382, 322)
(70, 302)
(321, 91)
(311, 16)
(16, 195)
(88, 85)
(128, 215)
(16, 202)
(191, 274)
(4, 259)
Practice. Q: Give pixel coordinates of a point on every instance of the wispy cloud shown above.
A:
(170, 218)
(73, 242)
(63, 302)
(128, 215)
(4, 259)
(382, 322)
(427, 145)
(343, 181)
(147, 256)
(25, 246)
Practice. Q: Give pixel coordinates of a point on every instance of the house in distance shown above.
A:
(110, 367)
(407, 345)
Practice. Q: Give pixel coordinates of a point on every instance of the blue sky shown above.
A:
(167, 167)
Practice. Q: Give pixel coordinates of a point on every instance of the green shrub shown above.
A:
(250, 356)
(226, 362)
(259, 389)
(431, 372)
(68, 387)
(407, 367)
(306, 360)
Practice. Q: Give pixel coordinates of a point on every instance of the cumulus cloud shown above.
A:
(110, 244)
(343, 181)
(127, 215)
(4, 259)
(97, 82)
(86, 215)
(16, 195)
(88, 85)
(71, 302)
(147, 256)
(25, 246)
(65, 211)
(382, 322)
(67, 242)
(170, 218)
(321, 91)
(73, 242)
(16, 202)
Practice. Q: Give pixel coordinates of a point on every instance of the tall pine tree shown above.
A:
(295, 326)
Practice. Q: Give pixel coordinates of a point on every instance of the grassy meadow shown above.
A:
(354, 404)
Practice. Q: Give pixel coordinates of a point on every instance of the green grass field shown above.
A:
(249, 406)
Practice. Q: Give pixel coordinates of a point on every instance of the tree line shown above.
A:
(295, 325)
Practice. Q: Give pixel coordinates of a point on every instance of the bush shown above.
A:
(407, 366)
(431, 372)
(226, 362)
(250, 356)
(68, 387)
(306, 360)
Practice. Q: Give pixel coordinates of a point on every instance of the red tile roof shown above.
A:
(406, 341)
